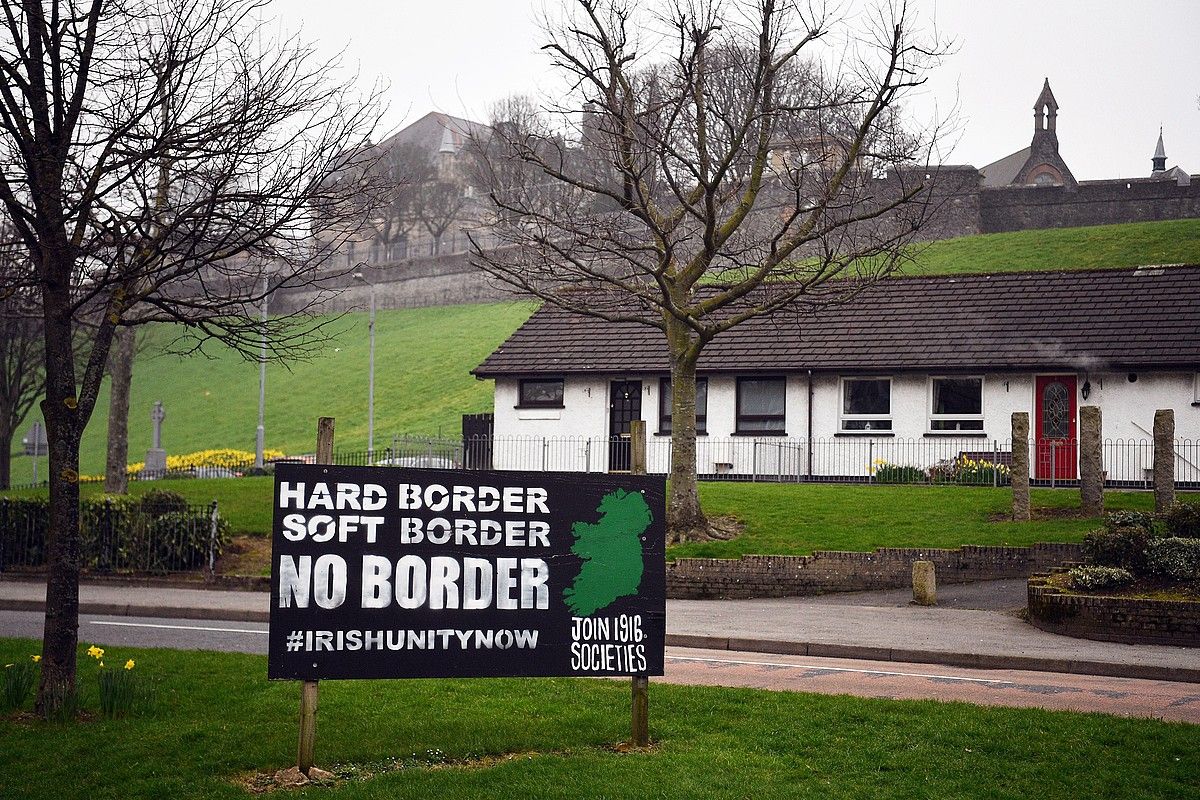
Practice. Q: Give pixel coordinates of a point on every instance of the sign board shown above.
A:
(383, 572)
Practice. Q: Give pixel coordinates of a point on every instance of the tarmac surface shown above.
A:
(975, 625)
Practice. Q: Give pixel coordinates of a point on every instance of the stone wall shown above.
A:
(1015, 208)
(831, 571)
(1113, 619)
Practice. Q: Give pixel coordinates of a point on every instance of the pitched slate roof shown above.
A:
(1086, 319)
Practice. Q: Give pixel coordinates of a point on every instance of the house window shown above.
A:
(866, 404)
(540, 393)
(760, 405)
(956, 404)
(664, 405)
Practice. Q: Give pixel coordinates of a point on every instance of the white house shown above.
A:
(912, 371)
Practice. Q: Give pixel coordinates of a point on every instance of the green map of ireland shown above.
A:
(611, 549)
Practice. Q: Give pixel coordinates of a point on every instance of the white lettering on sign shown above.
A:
(301, 580)
(446, 582)
(484, 500)
(343, 496)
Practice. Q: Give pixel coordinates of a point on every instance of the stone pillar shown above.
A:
(924, 583)
(1020, 465)
(156, 456)
(1164, 459)
(1091, 470)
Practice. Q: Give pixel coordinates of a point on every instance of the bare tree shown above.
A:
(159, 157)
(714, 162)
(439, 204)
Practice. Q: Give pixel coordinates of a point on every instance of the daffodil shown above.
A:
(129, 664)
(101, 665)
(95, 652)
(36, 659)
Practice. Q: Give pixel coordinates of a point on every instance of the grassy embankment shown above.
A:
(218, 720)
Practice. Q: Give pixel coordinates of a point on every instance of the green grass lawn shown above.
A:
(1099, 246)
(218, 718)
(780, 518)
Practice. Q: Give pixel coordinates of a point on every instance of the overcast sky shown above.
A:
(1119, 69)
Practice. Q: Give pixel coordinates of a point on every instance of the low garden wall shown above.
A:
(831, 571)
(1113, 619)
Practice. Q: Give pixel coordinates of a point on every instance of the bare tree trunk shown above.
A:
(120, 368)
(685, 518)
(61, 411)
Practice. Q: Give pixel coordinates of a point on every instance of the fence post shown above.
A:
(995, 463)
(754, 461)
(212, 539)
(1053, 463)
(870, 460)
(1020, 465)
(1164, 459)
(1091, 479)
(308, 689)
(4, 529)
(639, 706)
(587, 454)
(545, 448)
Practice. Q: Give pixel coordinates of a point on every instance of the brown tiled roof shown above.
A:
(1093, 319)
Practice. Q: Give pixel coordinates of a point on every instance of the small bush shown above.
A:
(1129, 519)
(1175, 557)
(969, 472)
(887, 472)
(163, 501)
(1183, 520)
(1117, 547)
(1091, 579)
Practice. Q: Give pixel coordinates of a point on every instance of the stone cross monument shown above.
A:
(156, 456)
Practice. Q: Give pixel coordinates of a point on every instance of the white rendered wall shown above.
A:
(558, 438)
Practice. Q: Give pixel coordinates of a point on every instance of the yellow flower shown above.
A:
(36, 659)
(6, 666)
(129, 664)
(95, 652)
(101, 665)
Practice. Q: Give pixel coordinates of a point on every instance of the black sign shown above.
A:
(380, 572)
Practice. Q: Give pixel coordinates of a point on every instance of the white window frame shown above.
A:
(931, 417)
(843, 417)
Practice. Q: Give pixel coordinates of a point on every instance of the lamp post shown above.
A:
(358, 276)
(260, 432)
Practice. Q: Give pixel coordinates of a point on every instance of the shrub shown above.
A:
(23, 526)
(1174, 557)
(163, 501)
(1090, 579)
(886, 472)
(1129, 519)
(969, 472)
(1117, 547)
(1183, 520)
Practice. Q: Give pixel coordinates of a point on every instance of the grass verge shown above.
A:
(219, 720)
(781, 518)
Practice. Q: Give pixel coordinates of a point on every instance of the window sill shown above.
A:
(759, 433)
(955, 435)
(867, 434)
(668, 433)
(538, 406)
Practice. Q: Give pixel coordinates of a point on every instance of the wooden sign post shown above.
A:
(639, 709)
(308, 690)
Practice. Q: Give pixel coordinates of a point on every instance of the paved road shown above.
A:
(1124, 696)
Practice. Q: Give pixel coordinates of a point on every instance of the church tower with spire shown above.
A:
(1044, 166)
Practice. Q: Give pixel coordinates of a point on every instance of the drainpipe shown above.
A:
(808, 439)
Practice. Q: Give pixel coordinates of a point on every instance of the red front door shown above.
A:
(1055, 415)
